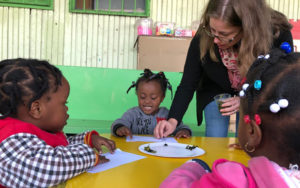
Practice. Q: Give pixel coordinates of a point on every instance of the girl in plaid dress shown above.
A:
(34, 152)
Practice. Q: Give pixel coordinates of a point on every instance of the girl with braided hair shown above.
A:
(151, 90)
(268, 132)
(34, 150)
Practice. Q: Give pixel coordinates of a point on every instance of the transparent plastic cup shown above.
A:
(219, 99)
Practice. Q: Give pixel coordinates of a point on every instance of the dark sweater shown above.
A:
(207, 77)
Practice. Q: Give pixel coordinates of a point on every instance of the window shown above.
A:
(38, 4)
(112, 7)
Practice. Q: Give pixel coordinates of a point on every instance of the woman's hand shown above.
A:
(165, 128)
(183, 133)
(230, 106)
(98, 141)
(124, 131)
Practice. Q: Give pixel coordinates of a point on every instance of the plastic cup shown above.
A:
(220, 99)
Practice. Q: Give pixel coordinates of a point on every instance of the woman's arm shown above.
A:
(185, 91)
(189, 82)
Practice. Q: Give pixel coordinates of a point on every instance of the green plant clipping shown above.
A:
(138, 8)
(36, 4)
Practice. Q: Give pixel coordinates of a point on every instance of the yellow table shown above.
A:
(151, 171)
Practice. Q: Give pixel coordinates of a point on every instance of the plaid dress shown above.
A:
(31, 157)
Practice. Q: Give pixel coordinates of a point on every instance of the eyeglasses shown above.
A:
(222, 39)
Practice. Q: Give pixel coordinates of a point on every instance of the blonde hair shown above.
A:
(255, 19)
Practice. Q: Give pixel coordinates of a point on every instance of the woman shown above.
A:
(231, 35)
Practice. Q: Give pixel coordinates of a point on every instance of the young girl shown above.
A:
(269, 131)
(34, 151)
(151, 90)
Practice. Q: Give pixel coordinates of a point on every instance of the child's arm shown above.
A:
(30, 162)
(127, 120)
(77, 139)
(182, 131)
(121, 130)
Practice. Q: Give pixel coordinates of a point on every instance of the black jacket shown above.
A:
(207, 77)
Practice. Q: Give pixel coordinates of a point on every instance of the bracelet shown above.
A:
(88, 138)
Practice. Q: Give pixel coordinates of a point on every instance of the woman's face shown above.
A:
(224, 35)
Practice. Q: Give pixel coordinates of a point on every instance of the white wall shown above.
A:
(66, 38)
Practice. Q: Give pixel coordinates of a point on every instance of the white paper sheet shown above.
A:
(150, 139)
(117, 159)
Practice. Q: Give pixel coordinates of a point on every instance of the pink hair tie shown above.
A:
(246, 119)
(257, 119)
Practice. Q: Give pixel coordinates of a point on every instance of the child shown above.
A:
(34, 151)
(268, 131)
(151, 90)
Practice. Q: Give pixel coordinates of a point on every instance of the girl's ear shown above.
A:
(36, 109)
(254, 134)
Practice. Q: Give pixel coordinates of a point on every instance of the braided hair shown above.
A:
(22, 81)
(148, 76)
(279, 76)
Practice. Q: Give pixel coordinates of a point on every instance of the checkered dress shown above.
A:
(27, 161)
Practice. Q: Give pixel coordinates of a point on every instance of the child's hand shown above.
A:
(183, 133)
(102, 159)
(98, 141)
(124, 131)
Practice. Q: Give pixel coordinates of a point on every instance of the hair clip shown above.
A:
(132, 85)
(257, 119)
(294, 167)
(244, 88)
(264, 56)
(169, 86)
(286, 47)
(282, 103)
(153, 76)
(257, 84)
(242, 93)
(247, 119)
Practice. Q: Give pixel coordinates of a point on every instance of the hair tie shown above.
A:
(257, 119)
(132, 85)
(286, 47)
(242, 93)
(169, 86)
(244, 88)
(282, 103)
(267, 56)
(257, 84)
(247, 119)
